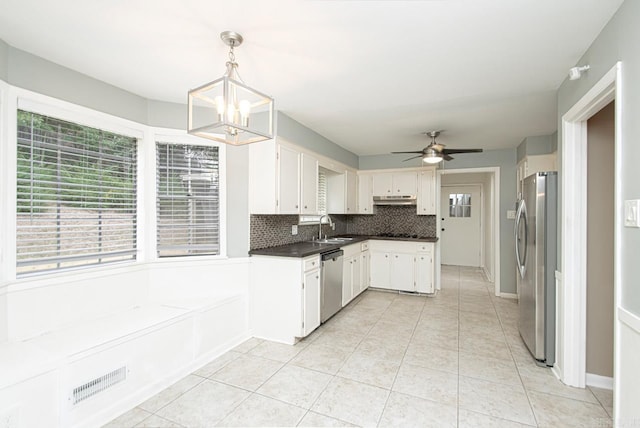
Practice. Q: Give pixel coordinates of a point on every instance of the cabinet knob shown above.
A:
(396, 256)
(398, 190)
(389, 191)
(296, 206)
(305, 207)
(317, 277)
(365, 209)
(385, 256)
(313, 263)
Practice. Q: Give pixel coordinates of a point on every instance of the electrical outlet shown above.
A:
(294, 229)
(9, 418)
(632, 213)
(511, 214)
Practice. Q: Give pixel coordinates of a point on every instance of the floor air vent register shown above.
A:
(98, 385)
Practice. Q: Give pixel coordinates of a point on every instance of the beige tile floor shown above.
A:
(386, 360)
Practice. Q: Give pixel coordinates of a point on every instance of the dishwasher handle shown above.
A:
(331, 255)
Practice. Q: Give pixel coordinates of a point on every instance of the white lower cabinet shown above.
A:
(402, 266)
(355, 278)
(284, 306)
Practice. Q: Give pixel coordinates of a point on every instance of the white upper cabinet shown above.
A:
(282, 180)
(309, 184)
(405, 183)
(365, 194)
(427, 193)
(288, 198)
(397, 183)
(382, 184)
(342, 193)
(351, 200)
(534, 163)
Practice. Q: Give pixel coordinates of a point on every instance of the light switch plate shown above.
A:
(294, 229)
(511, 214)
(632, 213)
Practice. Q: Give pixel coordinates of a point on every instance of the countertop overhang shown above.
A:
(307, 248)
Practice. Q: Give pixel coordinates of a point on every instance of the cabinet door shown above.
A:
(402, 275)
(382, 184)
(364, 270)
(311, 302)
(427, 194)
(309, 186)
(380, 273)
(288, 180)
(351, 186)
(355, 276)
(405, 183)
(365, 194)
(347, 280)
(424, 273)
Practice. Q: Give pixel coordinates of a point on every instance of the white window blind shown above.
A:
(76, 195)
(322, 191)
(188, 199)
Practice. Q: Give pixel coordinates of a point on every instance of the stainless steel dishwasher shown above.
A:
(331, 286)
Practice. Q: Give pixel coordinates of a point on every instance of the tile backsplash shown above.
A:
(273, 230)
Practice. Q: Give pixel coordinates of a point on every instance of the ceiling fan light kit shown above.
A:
(435, 152)
(228, 111)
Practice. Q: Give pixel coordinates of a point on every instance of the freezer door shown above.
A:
(531, 284)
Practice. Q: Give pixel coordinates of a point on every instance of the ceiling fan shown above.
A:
(435, 152)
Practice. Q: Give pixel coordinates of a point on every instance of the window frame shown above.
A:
(173, 136)
(13, 98)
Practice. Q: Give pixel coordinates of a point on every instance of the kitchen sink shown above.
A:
(332, 240)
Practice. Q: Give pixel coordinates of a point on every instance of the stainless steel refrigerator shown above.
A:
(536, 235)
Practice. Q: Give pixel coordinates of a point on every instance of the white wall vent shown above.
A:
(98, 385)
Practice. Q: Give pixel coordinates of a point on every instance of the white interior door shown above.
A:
(460, 214)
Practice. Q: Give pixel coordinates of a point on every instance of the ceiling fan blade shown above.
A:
(446, 157)
(454, 151)
(415, 157)
(394, 153)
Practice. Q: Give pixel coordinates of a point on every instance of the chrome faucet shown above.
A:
(320, 224)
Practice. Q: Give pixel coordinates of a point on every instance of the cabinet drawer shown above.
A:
(311, 263)
(425, 248)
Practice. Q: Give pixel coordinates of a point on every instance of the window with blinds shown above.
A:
(188, 199)
(76, 195)
(322, 191)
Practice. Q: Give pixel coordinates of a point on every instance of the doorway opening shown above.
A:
(572, 312)
(469, 214)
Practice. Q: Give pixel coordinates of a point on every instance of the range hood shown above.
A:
(395, 200)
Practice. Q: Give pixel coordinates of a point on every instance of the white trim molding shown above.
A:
(572, 307)
(598, 381)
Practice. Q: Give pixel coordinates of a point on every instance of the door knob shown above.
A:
(442, 229)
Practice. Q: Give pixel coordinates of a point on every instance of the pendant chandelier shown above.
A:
(227, 110)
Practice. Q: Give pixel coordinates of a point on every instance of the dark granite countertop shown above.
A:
(304, 249)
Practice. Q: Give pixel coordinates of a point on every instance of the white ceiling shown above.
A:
(369, 75)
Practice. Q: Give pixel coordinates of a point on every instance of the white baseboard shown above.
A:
(557, 371)
(598, 381)
(509, 295)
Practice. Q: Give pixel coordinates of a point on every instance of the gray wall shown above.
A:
(4, 60)
(537, 145)
(600, 220)
(504, 159)
(296, 133)
(618, 41)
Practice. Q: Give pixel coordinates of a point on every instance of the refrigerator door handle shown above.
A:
(521, 259)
